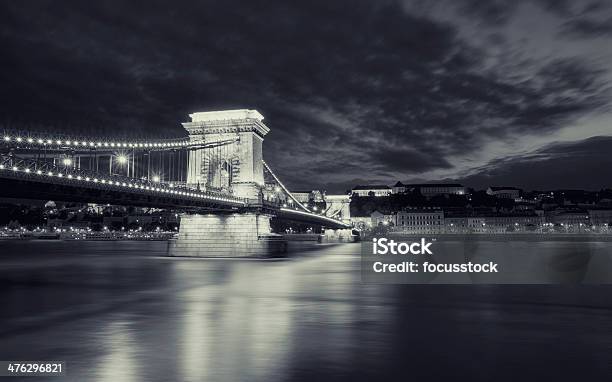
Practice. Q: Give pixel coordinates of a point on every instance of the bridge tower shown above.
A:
(237, 167)
(231, 162)
(338, 207)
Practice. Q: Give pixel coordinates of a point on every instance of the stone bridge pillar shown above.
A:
(227, 235)
(338, 236)
(235, 167)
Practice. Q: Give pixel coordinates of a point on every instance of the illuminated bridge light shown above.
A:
(60, 175)
(7, 139)
(30, 140)
(95, 180)
(1, 167)
(27, 170)
(19, 139)
(39, 172)
(39, 141)
(69, 176)
(50, 173)
(15, 168)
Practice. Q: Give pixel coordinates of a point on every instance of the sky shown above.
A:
(354, 92)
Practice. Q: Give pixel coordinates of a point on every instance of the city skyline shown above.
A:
(483, 94)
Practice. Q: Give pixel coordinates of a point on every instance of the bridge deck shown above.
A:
(30, 179)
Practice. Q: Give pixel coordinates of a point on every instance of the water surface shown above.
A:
(121, 311)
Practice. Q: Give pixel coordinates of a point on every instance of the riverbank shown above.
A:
(88, 235)
(522, 236)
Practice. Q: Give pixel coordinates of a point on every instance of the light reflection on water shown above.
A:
(116, 337)
(121, 312)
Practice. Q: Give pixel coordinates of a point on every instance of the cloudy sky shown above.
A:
(483, 92)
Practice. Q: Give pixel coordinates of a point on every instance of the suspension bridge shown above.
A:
(215, 175)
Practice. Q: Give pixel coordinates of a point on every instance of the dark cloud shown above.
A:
(558, 166)
(587, 28)
(494, 12)
(350, 89)
(595, 6)
(563, 8)
(393, 159)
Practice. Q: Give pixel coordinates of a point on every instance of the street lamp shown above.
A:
(122, 159)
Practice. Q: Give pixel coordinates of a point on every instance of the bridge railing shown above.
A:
(88, 144)
(293, 209)
(36, 140)
(15, 167)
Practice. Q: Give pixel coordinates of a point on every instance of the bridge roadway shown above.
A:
(32, 179)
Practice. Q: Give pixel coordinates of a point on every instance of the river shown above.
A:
(122, 311)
